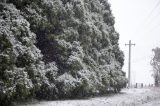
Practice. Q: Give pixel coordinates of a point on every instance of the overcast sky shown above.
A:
(139, 21)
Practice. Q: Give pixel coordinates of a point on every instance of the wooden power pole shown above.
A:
(129, 63)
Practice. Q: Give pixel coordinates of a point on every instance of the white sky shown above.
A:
(139, 21)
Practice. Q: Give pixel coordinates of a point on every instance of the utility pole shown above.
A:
(129, 63)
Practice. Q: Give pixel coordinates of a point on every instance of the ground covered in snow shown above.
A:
(127, 97)
(153, 103)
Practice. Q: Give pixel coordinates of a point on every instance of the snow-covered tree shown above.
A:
(62, 48)
(22, 71)
(155, 62)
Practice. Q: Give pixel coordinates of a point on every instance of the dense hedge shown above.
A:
(52, 49)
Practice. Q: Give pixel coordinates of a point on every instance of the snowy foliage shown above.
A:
(62, 48)
(21, 69)
(155, 62)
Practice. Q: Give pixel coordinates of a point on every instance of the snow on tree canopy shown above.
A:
(65, 48)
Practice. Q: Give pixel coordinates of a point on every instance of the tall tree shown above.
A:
(53, 49)
(155, 62)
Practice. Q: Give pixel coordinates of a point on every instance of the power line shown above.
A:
(149, 19)
(152, 20)
(155, 7)
(141, 59)
(155, 17)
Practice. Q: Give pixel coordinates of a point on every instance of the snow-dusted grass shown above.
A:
(152, 103)
(128, 97)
